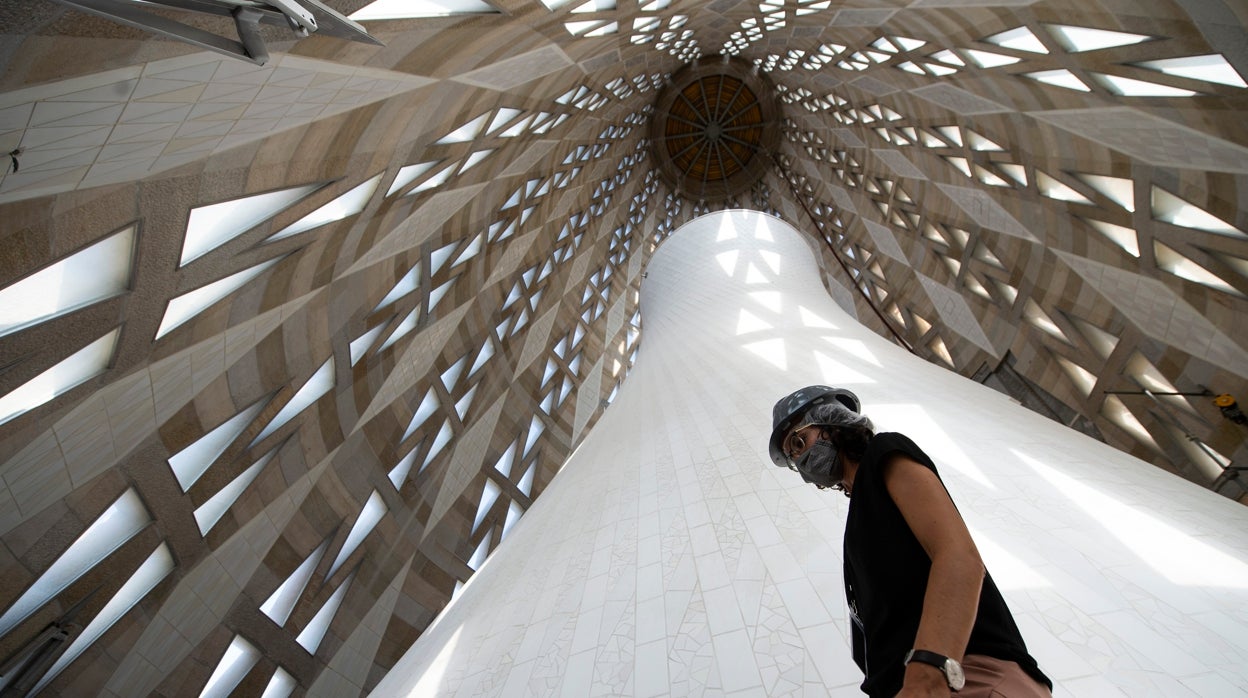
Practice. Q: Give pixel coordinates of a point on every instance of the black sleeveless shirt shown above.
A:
(886, 572)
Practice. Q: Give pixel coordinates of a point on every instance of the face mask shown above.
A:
(821, 465)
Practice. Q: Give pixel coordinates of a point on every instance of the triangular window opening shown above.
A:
(189, 464)
(489, 495)
(317, 385)
(1020, 39)
(344, 206)
(415, 9)
(186, 306)
(1120, 191)
(1171, 209)
(312, 634)
(211, 226)
(427, 407)
(359, 347)
(1184, 268)
(469, 131)
(121, 521)
(210, 512)
(281, 602)
(372, 512)
(1125, 238)
(1060, 78)
(398, 474)
(1210, 68)
(1080, 39)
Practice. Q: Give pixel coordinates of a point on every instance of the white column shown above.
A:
(669, 556)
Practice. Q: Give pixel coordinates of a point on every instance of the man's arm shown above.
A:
(957, 574)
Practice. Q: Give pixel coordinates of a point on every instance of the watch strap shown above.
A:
(936, 660)
(950, 668)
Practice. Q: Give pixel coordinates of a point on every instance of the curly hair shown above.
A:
(850, 430)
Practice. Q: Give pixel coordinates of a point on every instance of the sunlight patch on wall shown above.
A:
(1179, 557)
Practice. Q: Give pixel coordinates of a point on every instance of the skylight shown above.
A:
(320, 383)
(1061, 78)
(592, 28)
(1101, 341)
(1054, 189)
(435, 181)
(211, 226)
(1036, 316)
(347, 204)
(1083, 379)
(192, 303)
(360, 345)
(488, 496)
(988, 59)
(1120, 236)
(465, 133)
(1079, 39)
(403, 329)
(77, 368)
(482, 552)
(155, 568)
(280, 686)
(408, 174)
(1141, 88)
(526, 482)
(123, 519)
(210, 512)
(400, 471)
(1020, 39)
(406, 9)
(373, 510)
(238, 659)
(594, 6)
(1210, 68)
(88, 276)
(283, 599)
(472, 160)
(312, 634)
(1120, 191)
(445, 434)
(1184, 268)
(192, 462)
(1114, 410)
(505, 461)
(514, 512)
(428, 406)
(1171, 209)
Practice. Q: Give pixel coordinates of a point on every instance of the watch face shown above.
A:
(953, 672)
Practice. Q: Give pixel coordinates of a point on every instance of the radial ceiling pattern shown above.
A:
(713, 129)
(715, 126)
(286, 350)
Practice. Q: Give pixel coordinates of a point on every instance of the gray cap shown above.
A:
(791, 409)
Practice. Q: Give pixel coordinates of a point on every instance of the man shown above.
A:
(927, 617)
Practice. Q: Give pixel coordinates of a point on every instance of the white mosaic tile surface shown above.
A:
(1149, 138)
(1160, 313)
(958, 100)
(519, 70)
(125, 124)
(957, 315)
(885, 241)
(670, 557)
(899, 163)
(984, 210)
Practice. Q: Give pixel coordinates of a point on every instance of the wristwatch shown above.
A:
(950, 668)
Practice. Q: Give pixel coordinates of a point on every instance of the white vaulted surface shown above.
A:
(670, 557)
